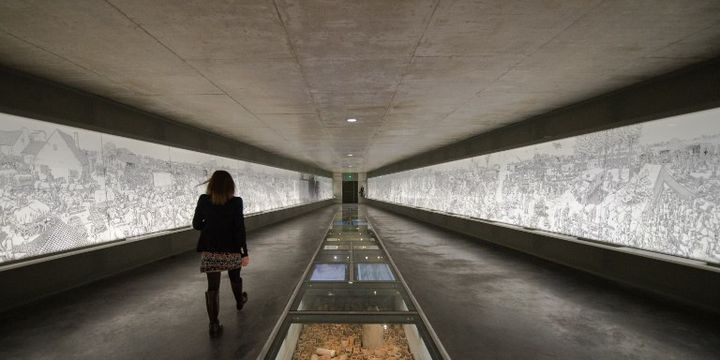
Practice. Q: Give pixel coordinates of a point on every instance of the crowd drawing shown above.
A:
(652, 186)
(63, 188)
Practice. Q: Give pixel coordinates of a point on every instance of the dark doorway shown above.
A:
(349, 192)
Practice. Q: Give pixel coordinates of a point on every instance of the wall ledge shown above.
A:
(28, 281)
(690, 282)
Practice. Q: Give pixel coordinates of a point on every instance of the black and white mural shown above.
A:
(63, 188)
(653, 186)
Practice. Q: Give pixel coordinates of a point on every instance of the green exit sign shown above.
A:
(349, 176)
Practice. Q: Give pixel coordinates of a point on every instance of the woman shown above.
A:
(219, 217)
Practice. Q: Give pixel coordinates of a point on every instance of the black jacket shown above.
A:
(222, 226)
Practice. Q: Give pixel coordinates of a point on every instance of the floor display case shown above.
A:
(352, 304)
(352, 342)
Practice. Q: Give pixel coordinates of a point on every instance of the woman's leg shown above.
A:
(237, 287)
(212, 301)
(213, 281)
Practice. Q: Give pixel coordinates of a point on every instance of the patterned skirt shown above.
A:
(219, 261)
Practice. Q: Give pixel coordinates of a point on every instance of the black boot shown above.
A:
(212, 301)
(240, 296)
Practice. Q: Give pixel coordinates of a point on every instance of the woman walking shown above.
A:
(222, 247)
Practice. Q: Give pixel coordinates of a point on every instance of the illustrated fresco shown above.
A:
(652, 186)
(62, 187)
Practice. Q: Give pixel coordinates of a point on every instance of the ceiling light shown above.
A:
(351, 120)
(350, 155)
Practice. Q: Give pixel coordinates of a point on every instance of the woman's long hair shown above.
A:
(221, 187)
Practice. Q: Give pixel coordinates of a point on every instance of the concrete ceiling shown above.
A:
(284, 75)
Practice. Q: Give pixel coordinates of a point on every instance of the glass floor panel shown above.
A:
(333, 256)
(354, 299)
(355, 237)
(350, 222)
(336, 247)
(365, 247)
(334, 232)
(368, 256)
(359, 228)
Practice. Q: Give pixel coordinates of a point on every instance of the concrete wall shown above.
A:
(34, 279)
(686, 281)
(691, 89)
(25, 95)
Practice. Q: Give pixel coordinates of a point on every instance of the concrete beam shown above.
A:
(25, 95)
(693, 88)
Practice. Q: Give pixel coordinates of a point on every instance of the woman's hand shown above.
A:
(245, 261)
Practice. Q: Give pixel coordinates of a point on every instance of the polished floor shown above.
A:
(483, 301)
(158, 311)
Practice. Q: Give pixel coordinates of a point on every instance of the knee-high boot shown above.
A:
(212, 302)
(240, 296)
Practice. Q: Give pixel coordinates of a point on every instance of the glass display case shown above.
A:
(352, 304)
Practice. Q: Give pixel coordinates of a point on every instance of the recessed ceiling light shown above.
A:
(350, 155)
(351, 120)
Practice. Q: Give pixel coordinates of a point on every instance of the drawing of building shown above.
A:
(59, 155)
(13, 142)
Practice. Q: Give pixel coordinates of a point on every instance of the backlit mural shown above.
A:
(653, 186)
(63, 188)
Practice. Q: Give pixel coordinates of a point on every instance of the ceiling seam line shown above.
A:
(302, 72)
(402, 76)
(66, 59)
(197, 71)
(513, 67)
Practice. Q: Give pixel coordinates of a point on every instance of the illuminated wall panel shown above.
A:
(63, 187)
(653, 186)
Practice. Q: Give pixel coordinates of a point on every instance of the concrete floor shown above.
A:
(486, 302)
(483, 301)
(158, 310)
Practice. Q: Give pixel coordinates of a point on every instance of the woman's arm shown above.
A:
(198, 219)
(240, 229)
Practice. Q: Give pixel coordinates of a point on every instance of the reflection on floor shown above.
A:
(158, 311)
(488, 302)
(352, 342)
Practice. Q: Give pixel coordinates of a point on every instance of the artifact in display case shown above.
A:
(353, 342)
(336, 247)
(366, 247)
(329, 272)
(374, 272)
